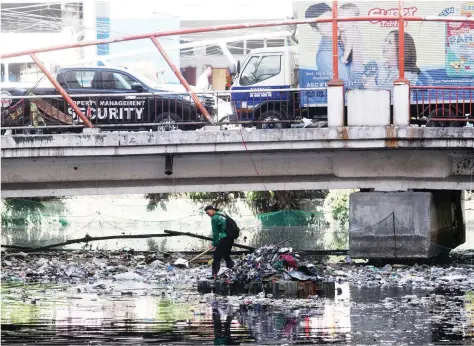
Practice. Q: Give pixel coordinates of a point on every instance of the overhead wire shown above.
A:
(101, 28)
(20, 17)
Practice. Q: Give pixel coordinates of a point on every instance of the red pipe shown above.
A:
(182, 80)
(429, 103)
(59, 88)
(401, 43)
(443, 103)
(226, 27)
(335, 57)
(457, 100)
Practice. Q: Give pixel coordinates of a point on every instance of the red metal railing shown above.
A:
(334, 20)
(335, 57)
(58, 116)
(443, 104)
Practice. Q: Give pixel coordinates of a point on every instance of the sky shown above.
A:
(205, 9)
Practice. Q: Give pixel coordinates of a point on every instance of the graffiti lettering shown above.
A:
(377, 12)
(446, 12)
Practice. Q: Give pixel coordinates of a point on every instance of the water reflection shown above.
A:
(358, 316)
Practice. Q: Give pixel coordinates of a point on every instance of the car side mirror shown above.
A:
(137, 87)
(238, 66)
(233, 70)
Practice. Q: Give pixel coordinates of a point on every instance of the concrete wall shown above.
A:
(410, 224)
(108, 163)
(448, 219)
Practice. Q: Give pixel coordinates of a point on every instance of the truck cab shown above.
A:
(254, 95)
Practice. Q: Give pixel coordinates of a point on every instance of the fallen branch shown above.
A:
(205, 238)
(17, 247)
(200, 255)
(88, 238)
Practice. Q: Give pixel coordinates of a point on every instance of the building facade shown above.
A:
(36, 24)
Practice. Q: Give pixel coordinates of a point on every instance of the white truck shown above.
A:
(438, 55)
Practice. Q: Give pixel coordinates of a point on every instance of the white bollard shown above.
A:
(401, 104)
(91, 131)
(335, 104)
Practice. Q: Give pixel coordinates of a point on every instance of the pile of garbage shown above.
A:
(266, 264)
(88, 267)
(270, 263)
(427, 277)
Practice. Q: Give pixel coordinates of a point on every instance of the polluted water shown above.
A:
(127, 297)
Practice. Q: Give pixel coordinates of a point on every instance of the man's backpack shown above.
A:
(231, 228)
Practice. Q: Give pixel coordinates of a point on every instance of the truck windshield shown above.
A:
(260, 68)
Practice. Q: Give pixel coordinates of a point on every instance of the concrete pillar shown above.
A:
(336, 103)
(405, 225)
(401, 103)
(368, 108)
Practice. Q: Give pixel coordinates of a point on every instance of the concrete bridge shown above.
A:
(381, 158)
(429, 165)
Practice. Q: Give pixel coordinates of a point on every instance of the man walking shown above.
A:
(221, 240)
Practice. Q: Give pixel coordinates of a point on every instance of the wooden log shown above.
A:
(206, 238)
(88, 238)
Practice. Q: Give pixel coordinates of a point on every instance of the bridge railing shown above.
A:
(442, 106)
(401, 45)
(162, 111)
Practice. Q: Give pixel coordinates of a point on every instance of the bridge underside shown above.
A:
(380, 169)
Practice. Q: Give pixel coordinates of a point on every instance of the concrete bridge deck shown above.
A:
(384, 158)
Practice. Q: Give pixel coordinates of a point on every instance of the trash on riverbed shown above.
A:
(271, 263)
(267, 264)
(273, 270)
(129, 276)
(181, 263)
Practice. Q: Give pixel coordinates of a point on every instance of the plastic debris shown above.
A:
(271, 263)
(266, 264)
(181, 263)
(129, 276)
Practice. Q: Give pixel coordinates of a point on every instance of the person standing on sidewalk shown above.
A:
(221, 240)
(203, 80)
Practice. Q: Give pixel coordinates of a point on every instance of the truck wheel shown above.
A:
(447, 113)
(271, 116)
(167, 122)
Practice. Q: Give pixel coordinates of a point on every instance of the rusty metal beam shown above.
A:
(60, 89)
(182, 80)
(335, 57)
(231, 27)
(401, 45)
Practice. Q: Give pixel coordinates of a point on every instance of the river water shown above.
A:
(99, 216)
(145, 314)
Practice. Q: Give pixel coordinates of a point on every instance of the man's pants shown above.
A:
(222, 251)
